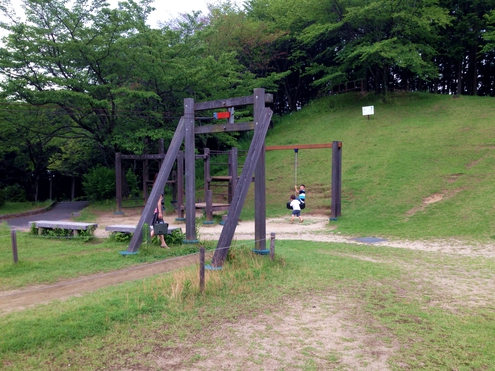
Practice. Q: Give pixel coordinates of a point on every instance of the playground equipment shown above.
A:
(207, 204)
(145, 158)
(255, 163)
(177, 181)
(336, 146)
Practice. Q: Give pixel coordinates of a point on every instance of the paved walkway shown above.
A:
(61, 211)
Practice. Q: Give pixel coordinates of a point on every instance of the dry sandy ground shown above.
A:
(314, 228)
(324, 330)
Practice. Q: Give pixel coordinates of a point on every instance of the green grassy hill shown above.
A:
(421, 166)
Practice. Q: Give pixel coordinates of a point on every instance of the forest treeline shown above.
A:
(80, 81)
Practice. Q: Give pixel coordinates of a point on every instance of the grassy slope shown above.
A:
(415, 146)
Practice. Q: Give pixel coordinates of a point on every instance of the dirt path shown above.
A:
(314, 228)
(27, 298)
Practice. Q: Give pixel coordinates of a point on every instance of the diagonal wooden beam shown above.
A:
(242, 188)
(160, 182)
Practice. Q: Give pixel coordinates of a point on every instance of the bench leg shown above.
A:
(74, 232)
(40, 231)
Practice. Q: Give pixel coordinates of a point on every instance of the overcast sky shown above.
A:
(169, 9)
(165, 9)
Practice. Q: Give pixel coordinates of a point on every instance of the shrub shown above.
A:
(121, 236)
(14, 193)
(2, 197)
(132, 182)
(175, 238)
(99, 184)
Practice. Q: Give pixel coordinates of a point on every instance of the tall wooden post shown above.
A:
(336, 180)
(259, 178)
(161, 147)
(208, 207)
(207, 176)
(13, 236)
(190, 171)
(145, 171)
(233, 170)
(73, 189)
(180, 186)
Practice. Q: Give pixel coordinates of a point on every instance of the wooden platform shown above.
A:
(73, 226)
(128, 228)
(214, 206)
(226, 178)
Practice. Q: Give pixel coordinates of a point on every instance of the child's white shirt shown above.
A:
(295, 204)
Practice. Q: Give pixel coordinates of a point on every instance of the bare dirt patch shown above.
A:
(436, 197)
(27, 298)
(323, 332)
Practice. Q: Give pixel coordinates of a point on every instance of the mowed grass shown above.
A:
(20, 207)
(428, 310)
(47, 260)
(411, 301)
(416, 147)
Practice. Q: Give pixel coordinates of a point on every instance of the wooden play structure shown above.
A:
(207, 204)
(253, 170)
(147, 182)
(254, 164)
(228, 182)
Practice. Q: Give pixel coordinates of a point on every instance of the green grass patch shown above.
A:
(21, 207)
(387, 292)
(47, 259)
(416, 146)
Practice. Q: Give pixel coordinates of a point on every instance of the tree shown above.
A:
(374, 37)
(29, 138)
(117, 79)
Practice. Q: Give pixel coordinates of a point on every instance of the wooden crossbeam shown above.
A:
(300, 146)
(223, 128)
(231, 102)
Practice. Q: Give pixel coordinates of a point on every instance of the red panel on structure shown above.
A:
(221, 115)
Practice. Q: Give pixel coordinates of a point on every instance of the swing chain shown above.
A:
(295, 170)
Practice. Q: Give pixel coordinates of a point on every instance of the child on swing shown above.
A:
(295, 204)
(302, 192)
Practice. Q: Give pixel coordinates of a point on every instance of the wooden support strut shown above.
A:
(242, 188)
(157, 189)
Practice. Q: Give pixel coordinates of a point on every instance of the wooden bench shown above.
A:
(127, 228)
(72, 226)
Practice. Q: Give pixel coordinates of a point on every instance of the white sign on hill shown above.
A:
(369, 110)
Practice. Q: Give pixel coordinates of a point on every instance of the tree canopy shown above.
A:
(81, 80)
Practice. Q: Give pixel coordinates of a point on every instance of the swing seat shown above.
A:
(288, 206)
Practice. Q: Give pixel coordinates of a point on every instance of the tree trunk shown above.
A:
(474, 65)
(459, 78)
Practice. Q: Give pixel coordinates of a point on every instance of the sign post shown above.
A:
(368, 110)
